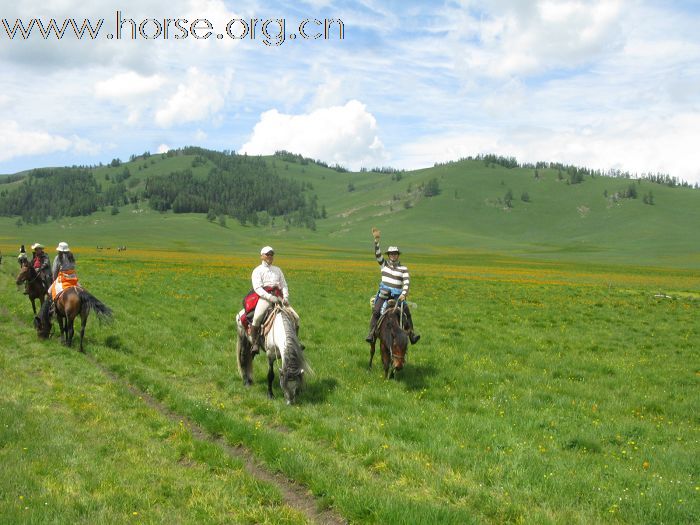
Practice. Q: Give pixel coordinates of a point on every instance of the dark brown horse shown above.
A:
(393, 340)
(69, 304)
(36, 287)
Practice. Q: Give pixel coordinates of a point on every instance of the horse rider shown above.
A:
(394, 285)
(22, 260)
(271, 286)
(22, 257)
(41, 263)
(62, 271)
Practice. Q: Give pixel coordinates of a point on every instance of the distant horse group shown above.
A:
(67, 306)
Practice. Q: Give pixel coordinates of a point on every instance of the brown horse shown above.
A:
(68, 305)
(393, 340)
(36, 287)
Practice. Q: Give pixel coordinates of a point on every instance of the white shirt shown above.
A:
(267, 275)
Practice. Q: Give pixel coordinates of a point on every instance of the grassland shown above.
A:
(577, 223)
(540, 393)
(556, 380)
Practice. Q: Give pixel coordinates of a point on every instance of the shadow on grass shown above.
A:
(317, 391)
(414, 376)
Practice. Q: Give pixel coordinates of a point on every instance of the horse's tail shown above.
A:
(245, 358)
(42, 322)
(90, 302)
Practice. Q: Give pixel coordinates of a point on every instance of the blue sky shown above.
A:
(608, 84)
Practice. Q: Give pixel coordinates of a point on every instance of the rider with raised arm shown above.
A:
(271, 286)
(394, 285)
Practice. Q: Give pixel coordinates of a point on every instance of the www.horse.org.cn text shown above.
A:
(270, 31)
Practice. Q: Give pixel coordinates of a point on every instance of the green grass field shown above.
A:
(540, 393)
(556, 380)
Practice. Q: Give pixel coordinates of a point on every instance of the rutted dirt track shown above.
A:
(295, 495)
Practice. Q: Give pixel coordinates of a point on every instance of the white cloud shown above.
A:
(128, 85)
(198, 98)
(346, 135)
(163, 148)
(632, 143)
(499, 39)
(18, 142)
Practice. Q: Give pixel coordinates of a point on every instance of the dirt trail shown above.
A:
(295, 495)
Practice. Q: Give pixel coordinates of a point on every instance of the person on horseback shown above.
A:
(22, 257)
(62, 271)
(394, 285)
(271, 286)
(22, 260)
(41, 263)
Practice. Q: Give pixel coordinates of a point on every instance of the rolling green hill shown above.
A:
(548, 219)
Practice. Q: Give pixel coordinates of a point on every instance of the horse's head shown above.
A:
(26, 273)
(398, 340)
(291, 384)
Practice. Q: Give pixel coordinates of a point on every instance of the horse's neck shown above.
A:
(278, 333)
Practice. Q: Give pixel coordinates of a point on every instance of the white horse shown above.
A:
(281, 342)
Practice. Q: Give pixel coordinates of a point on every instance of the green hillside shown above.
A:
(549, 218)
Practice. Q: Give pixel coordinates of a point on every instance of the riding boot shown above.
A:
(255, 337)
(372, 327)
(413, 337)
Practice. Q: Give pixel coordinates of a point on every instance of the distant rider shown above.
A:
(270, 285)
(394, 285)
(41, 263)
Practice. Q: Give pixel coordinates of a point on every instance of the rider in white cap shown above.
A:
(63, 270)
(271, 286)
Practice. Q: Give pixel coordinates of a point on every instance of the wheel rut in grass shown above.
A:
(294, 494)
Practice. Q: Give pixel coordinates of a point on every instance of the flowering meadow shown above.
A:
(540, 392)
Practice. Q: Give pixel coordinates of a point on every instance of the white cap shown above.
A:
(62, 247)
(266, 249)
(393, 249)
(37, 245)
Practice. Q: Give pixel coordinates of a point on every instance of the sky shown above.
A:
(605, 84)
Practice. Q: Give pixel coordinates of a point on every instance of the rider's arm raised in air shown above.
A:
(377, 250)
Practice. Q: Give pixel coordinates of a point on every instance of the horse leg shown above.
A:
(371, 354)
(33, 305)
(270, 379)
(61, 325)
(69, 330)
(83, 320)
(386, 359)
(245, 360)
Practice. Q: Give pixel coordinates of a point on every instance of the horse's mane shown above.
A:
(294, 361)
(393, 325)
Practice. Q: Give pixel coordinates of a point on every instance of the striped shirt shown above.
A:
(394, 275)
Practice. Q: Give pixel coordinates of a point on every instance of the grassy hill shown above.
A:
(557, 221)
